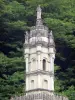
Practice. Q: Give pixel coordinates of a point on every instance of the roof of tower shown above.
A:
(39, 34)
(39, 24)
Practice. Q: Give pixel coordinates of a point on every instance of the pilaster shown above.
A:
(38, 60)
(27, 62)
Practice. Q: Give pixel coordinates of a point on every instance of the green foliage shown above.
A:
(14, 11)
(17, 25)
(16, 16)
(10, 81)
(70, 93)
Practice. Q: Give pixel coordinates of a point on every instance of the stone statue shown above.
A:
(38, 12)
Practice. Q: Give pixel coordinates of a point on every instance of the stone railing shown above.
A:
(39, 96)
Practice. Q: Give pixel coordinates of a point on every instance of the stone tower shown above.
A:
(39, 54)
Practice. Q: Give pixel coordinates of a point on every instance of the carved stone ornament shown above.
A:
(39, 39)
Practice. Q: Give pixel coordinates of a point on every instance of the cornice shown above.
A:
(42, 43)
(40, 89)
(40, 72)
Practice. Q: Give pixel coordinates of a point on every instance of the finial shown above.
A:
(39, 12)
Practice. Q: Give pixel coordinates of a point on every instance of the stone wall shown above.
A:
(40, 96)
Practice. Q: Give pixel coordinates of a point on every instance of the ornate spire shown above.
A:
(39, 20)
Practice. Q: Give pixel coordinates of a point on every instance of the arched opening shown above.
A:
(45, 85)
(32, 84)
(44, 64)
(33, 64)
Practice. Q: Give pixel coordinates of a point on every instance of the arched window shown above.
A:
(45, 85)
(32, 84)
(44, 64)
(33, 64)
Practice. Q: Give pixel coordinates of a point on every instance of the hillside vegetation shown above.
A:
(17, 16)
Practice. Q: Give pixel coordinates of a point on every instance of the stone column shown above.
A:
(52, 70)
(38, 60)
(39, 83)
(26, 58)
(47, 65)
(52, 78)
(51, 63)
(41, 62)
(27, 84)
(53, 57)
